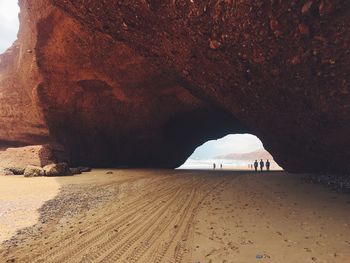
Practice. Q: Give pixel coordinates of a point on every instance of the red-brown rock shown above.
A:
(142, 83)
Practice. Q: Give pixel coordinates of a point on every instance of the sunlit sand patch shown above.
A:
(20, 199)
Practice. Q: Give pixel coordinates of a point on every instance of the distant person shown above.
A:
(256, 165)
(214, 166)
(261, 165)
(220, 166)
(267, 165)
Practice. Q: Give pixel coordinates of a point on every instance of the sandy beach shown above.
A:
(172, 216)
(19, 201)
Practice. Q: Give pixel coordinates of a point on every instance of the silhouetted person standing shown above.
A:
(214, 166)
(221, 166)
(256, 165)
(261, 165)
(267, 165)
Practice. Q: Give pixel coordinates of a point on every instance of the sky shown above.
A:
(213, 151)
(233, 143)
(8, 23)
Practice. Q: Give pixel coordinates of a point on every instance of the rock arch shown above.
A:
(124, 84)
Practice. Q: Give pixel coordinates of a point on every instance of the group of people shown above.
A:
(262, 164)
(255, 165)
(214, 166)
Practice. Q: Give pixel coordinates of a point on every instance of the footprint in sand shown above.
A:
(247, 242)
(318, 243)
(289, 241)
(232, 246)
(211, 252)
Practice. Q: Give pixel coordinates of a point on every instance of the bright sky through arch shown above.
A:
(234, 151)
(233, 143)
(9, 23)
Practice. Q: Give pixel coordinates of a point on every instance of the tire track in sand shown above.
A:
(181, 233)
(153, 227)
(114, 241)
(118, 218)
(170, 219)
(141, 203)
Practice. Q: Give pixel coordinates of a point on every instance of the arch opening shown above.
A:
(231, 152)
(9, 23)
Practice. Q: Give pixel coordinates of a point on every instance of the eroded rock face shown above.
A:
(18, 158)
(142, 83)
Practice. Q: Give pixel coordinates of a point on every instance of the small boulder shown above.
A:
(109, 172)
(33, 171)
(75, 170)
(84, 169)
(57, 169)
(16, 170)
(5, 172)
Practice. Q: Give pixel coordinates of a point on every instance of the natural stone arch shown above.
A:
(279, 68)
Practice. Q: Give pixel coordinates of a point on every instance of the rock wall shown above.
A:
(142, 83)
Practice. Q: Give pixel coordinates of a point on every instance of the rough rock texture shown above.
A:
(5, 172)
(57, 169)
(16, 170)
(142, 83)
(33, 171)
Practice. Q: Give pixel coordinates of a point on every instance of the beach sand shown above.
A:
(19, 201)
(173, 216)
